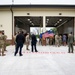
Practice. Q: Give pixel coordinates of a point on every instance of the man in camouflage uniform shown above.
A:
(1, 44)
(5, 38)
(70, 43)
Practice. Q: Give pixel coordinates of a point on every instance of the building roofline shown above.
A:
(37, 6)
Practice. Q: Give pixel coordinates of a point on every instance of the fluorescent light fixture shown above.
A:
(28, 19)
(55, 24)
(57, 21)
(60, 19)
(33, 24)
(62, 23)
(47, 19)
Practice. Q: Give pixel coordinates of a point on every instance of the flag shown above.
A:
(51, 35)
(45, 35)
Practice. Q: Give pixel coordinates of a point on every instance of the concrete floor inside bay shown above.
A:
(49, 60)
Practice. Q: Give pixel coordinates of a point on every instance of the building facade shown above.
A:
(9, 13)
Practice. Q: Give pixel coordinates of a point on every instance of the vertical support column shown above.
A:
(13, 24)
(44, 24)
(74, 28)
(12, 28)
(12, 18)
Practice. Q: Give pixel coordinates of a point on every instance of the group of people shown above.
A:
(22, 39)
(59, 40)
(56, 40)
(3, 39)
(65, 40)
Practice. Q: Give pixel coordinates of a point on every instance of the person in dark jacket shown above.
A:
(19, 43)
(33, 42)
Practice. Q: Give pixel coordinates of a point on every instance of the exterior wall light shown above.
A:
(28, 13)
(60, 13)
(1, 25)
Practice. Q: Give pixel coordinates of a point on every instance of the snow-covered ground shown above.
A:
(49, 60)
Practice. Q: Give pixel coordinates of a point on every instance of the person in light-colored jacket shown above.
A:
(56, 40)
(27, 41)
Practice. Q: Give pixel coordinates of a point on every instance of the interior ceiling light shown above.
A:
(28, 19)
(47, 19)
(57, 21)
(55, 24)
(62, 23)
(60, 19)
(33, 24)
